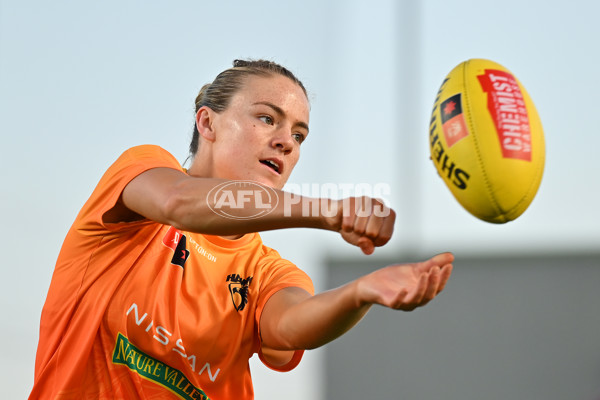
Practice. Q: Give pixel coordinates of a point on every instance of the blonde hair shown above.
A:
(218, 94)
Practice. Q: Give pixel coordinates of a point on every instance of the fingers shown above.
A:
(442, 264)
(429, 284)
(433, 284)
(439, 268)
(406, 286)
(425, 290)
(380, 222)
(438, 260)
(380, 228)
(415, 299)
(445, 273)
(367, 223)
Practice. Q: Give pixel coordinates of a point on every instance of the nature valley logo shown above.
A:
(239, 288)
(154, 370)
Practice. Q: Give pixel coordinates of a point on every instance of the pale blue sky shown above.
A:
(82, 81)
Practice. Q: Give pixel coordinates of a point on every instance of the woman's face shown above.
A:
(258, 136)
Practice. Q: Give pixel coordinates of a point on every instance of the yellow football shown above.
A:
(486, 140)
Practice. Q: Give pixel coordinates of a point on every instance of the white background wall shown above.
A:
(82, 81)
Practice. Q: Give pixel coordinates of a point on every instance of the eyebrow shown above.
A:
(280, 111)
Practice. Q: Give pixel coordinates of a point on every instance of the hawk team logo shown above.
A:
(238, 288)
(176, 241)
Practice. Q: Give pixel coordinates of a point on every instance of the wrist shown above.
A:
(295, 210)
(362, 296)
(331, 213)
(314, 212)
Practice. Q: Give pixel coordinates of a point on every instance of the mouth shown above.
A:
(274, 164)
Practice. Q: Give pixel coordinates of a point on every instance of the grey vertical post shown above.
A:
(411, 131)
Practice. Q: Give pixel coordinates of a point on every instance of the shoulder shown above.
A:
(138, 159)
(105, 204)
(148, 151)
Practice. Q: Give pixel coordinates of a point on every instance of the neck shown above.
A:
(200, 166)
(232, 237)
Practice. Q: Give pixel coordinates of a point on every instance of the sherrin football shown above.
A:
(486, 140)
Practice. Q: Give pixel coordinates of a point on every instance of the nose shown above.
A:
(283, 140)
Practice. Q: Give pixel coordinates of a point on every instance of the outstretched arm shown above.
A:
(293, 319)
(172, 197)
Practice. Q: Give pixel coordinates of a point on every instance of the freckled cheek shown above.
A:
(296, 158)
(233, 159)
(239, 161)
(291, 167)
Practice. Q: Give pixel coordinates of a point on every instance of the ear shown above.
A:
(204, 123)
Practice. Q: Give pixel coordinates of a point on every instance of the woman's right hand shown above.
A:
(365, 222)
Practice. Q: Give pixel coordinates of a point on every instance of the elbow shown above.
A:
(186, 209)
(177, 208)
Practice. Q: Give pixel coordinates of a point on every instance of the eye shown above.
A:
(266, 119)
(298, 137)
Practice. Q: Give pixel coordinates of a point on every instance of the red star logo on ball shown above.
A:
(449, 107)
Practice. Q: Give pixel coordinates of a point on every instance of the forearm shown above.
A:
(292, 319)
(230, 208)
(221, 207)
(237, 209)
(316, 320)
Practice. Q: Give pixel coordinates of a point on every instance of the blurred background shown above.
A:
(82, 81)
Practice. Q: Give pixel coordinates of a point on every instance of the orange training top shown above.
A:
(143, 310)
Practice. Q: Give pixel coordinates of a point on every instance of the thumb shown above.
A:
(366, 245)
